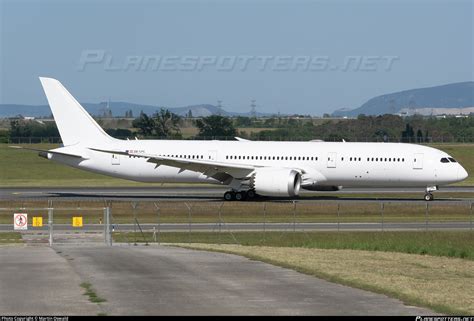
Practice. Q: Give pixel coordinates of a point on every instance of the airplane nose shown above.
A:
(462, 174)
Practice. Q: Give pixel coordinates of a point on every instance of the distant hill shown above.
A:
(118, 108)
(456, 95)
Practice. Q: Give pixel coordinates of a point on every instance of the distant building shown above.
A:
(428, 111)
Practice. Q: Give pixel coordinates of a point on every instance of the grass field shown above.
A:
(10, 237)
(24, 168)
(457, 244)
(440, 283)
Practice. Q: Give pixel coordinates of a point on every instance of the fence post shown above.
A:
(220, 221)
(134, 207)
(50, 222)
(382, 207)
(189, 222)
(104, 220)
(109, 223)
(338, 217)
(470, 224)
(294, 216)
(264, 220)
(426, 216)
(157, 239)
(108, 236)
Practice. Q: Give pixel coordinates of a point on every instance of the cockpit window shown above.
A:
(452, 160)
(444, 160)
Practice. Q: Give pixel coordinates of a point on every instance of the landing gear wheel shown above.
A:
(251, 194)
(428, 197)
(239, 196)
(229, 196)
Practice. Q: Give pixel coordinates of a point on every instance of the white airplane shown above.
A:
(249, 168)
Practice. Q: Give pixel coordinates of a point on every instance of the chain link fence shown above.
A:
(105, 222)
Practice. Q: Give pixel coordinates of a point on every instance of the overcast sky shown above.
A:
(308, 57)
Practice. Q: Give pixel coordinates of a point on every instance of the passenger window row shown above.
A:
(304, 158)
(376, 159)
(186, 156)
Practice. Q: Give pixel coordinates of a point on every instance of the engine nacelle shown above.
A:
(322, 188)
(276, 182)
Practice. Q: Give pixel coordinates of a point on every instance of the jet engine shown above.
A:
(276, 182)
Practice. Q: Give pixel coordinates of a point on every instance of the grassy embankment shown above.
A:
(10, 237)
(455, 244)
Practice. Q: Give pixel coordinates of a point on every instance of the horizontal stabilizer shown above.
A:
(49, 151)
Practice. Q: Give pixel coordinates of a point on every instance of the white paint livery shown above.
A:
(247, 167)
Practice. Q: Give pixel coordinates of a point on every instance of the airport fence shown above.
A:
(78, 222)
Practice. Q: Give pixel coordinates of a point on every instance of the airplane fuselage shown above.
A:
(325, 163)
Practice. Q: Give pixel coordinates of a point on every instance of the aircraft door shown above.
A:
(212, 155)
(115, 159)
(418, 161)
(332, 160)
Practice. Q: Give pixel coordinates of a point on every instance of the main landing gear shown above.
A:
(428, 196)
(240, 195)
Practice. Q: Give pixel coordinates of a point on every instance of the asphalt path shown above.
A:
(161, 280)
(212, 193)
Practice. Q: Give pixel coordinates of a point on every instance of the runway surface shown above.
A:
(159, 280)
(210, 193)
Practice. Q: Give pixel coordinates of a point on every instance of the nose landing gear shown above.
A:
(428, 196)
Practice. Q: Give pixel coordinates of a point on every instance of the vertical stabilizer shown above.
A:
(75, 124)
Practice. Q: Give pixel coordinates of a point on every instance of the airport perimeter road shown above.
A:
(37, 281)
(168, 281)
(195, 193)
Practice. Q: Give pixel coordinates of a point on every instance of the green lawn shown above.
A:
(437, 243)
(24, 168)
(10, 237)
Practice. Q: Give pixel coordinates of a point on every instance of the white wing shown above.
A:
(218, 170)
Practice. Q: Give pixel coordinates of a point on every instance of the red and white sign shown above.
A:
(20, 221)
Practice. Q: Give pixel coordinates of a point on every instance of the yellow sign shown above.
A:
(37, 221)
(77, 221)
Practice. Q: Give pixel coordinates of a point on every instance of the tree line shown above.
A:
(165, 124)
(162, 124)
